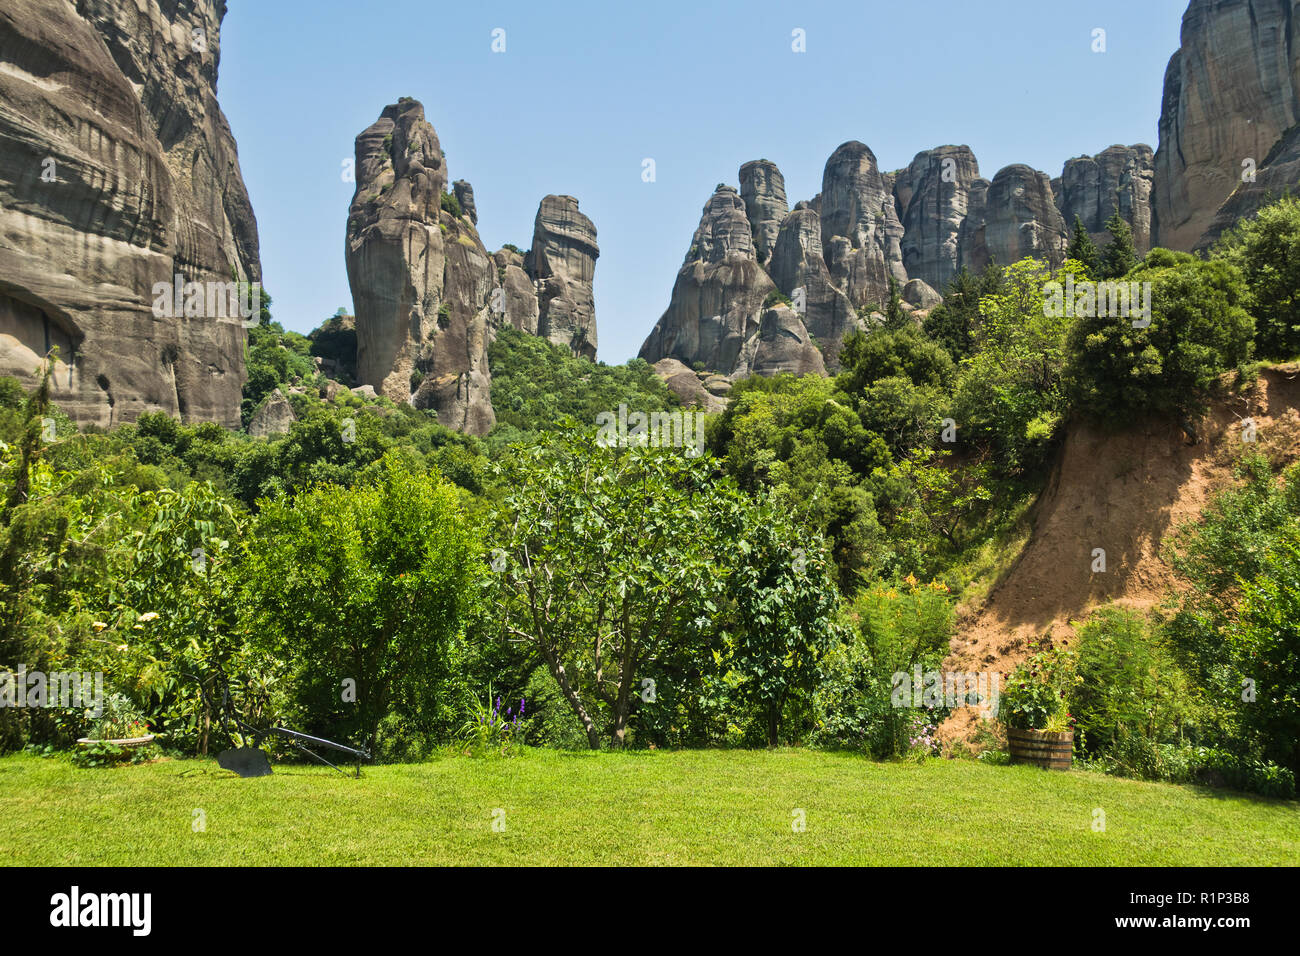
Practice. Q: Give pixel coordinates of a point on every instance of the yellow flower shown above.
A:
(149, 616)
(911, 581)
(98, 626)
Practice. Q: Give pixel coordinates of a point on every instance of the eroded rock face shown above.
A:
(1230, 95)
(857, 208)
(934, 194)
(1093, 187)
(562, 265)
(118, 171)
(1278, 176)
(1019, 219)
(428, 294)
(798, 263)
(687, 386)
(762, 187)
(273, 418)
(719, 294)
(465, 198)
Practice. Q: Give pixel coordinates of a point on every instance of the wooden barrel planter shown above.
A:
(1042, 748)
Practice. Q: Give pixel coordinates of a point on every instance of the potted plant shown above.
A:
(1035, 709)
(120, 728)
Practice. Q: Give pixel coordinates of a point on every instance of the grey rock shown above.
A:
(934, 194)
(1230, 94)
(719, 294)
(420, 278)
(857, 205)
(918, 294)
(562, 264)
(121, 100)
(686, 385)
(1093, 187)
(273, 418)
(798, 263)
(1278, 176)
(465, 199)
(784, 345)
(1019, 219)
(763, 189)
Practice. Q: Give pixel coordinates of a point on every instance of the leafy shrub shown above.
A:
(1266, 250)
(1199, 329)
(1036, 695)
(1129, 690)
(891, 629)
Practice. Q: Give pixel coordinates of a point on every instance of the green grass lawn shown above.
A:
(649, 808)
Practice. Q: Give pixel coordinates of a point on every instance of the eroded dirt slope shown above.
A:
(1123, 492)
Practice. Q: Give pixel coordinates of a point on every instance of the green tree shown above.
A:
(1266, 249)
(1083, 250)
(783, 591)
(371, 584)
(1198, 329)
(1119, 256)
(607, 564)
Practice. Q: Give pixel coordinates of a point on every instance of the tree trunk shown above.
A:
(557, 671)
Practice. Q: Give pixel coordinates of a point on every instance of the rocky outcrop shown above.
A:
(689, 388)
(784, 345)
(465, 199)
(762, 187)
(1019, 218)
(1093, 187)
(429, 296)
(861, 231)
(1230, 95)
(934, 194)
(1277, 177)
(562, 265)
(719, 295)
(798, 268)
(273, 418)
(118, 172)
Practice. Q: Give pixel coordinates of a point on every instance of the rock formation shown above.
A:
(719, 294)
(118, 172)
(1230, 96)
(934, 194)
(273, 418)
(429, 296)
(861, 231)
(562, 264)
(1093, 187)
(1020, 219)
(838, 257)
(763, 188)
(465, 199)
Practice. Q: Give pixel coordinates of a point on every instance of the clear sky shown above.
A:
(586, 90)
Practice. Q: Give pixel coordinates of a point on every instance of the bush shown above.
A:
(1130, 692)
(1266, 250)
(891, 630)
(1037, 693)
(1199, 329)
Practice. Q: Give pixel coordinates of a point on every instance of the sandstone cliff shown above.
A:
(118, 171)
(428, 295)
(1230, 96)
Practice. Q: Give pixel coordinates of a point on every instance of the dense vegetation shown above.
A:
(373, 575)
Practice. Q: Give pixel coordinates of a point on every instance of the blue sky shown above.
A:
(586, 90)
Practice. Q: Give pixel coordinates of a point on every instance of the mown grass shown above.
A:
(646, 808)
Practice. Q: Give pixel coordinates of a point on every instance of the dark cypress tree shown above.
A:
(1083, 249)
(1119, 256)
